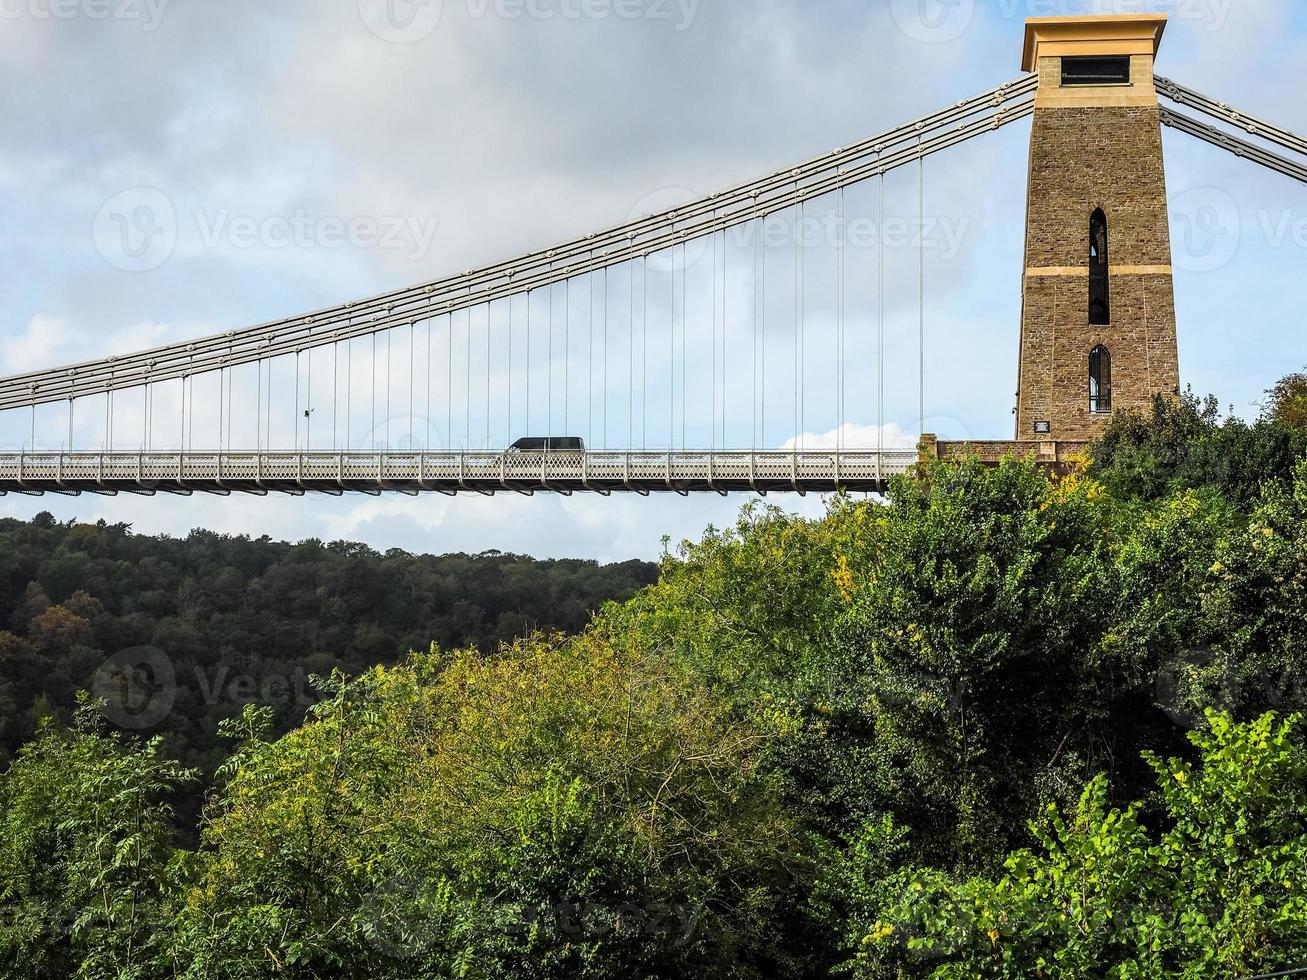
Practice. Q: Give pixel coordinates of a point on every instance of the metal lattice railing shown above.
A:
(450, 473)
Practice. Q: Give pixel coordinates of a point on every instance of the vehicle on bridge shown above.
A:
(548, 444)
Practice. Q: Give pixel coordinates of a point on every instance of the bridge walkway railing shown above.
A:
(603, 472)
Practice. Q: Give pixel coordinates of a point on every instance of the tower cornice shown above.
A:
(1062, 37)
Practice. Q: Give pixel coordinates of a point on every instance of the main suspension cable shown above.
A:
(1233, 144)
(983, 114)
(1252, 125)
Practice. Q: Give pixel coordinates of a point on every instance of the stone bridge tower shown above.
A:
(1098, 328)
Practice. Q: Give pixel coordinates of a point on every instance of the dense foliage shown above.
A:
(1219, 891)
(1009, 723)
(1185, 443)
(241, 620)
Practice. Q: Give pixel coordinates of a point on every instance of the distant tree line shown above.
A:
(243, 620)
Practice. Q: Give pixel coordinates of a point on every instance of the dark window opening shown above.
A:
(1100, 307)
(1100, 380)
(1096, 71)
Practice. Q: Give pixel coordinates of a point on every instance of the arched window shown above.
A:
(1100, 308)
(1100, 380)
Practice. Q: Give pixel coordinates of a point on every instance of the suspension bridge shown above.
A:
(675, 346)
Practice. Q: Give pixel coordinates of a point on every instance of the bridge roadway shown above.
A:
(682, 472)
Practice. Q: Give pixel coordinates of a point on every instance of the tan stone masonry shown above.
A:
(1094, 147)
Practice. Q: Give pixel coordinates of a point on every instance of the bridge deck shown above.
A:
(451, 473)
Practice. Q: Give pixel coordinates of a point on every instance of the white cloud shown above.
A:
(855, 437)
(50, 340)
(38, 345)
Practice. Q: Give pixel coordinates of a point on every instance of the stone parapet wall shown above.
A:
(1060, 453)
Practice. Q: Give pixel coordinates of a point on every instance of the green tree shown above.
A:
(1255, 603)
(1185, 444)
(1286, 403)
(1218, 892)
(85, 846)
(580, 808)
(954, 657)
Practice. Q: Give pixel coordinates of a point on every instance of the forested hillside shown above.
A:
(242, 620)
(1007, 724)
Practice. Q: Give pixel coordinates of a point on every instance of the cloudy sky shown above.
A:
(308, 152)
